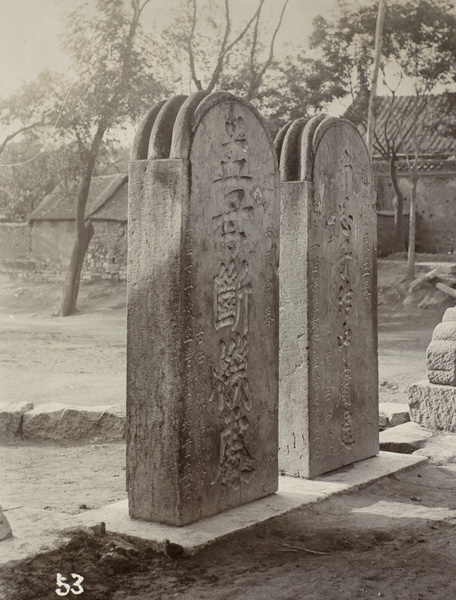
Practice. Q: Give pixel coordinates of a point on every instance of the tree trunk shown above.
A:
(71, 289)
(84, 233)
(84, 230)
(398, 204)
(412, 227)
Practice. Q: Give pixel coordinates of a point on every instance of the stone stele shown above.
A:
(328, 298)
(202, 350)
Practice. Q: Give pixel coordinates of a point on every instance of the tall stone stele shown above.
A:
(202, 349)
(328, 298)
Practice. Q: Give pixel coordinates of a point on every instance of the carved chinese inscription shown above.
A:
(231, 292)
(342, 336)
(202, 356)
(234, 300)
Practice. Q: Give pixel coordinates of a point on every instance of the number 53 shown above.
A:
(67, 588)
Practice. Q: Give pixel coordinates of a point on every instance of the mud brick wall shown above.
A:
(42, 251)
(15, 241)
(436, 210)
(107, 254)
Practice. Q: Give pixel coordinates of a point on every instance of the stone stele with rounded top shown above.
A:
(202, 349)
(328, 298)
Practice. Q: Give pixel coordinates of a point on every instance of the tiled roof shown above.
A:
(59, 206)
(115, 208)
(396, 116)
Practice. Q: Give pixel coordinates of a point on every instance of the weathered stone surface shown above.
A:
(441, 362)
(433, 406)
(5, 528)
(328, 340)
(445, 331)
(450, 315)
(405, 438)
(440, 449)
(202, 350)
(442, 377)
(382, 422)
(55, 421)
(395, 413)
(11, 417)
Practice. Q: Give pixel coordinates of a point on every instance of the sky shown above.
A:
(30, 30)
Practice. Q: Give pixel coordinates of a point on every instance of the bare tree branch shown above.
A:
(257, 76)
(191, 55)
(224, 51)
(14, 134)
(141, 8)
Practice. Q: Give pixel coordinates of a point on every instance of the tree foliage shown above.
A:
(24, 183)
(419, 46)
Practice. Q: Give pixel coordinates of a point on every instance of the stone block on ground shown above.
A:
(440, 449)
(433, 406)
(382, 421)
(11, 417)
(395, 413)
(5, 528)
(405, 438)
(56, 421)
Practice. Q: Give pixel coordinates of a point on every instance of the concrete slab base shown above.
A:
(293, 493)
(405, 438)
(45, 531)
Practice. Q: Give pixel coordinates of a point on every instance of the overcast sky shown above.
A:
(30, 30)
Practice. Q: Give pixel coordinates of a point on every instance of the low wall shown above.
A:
(436, 205)
(42, 251)
(15, 241)
(386, 233)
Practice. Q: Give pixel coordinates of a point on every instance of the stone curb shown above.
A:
(55, 421)
(405, 438)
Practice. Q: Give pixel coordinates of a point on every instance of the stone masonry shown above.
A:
(433, 402)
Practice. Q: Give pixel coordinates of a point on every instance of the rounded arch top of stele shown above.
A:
(168, 129)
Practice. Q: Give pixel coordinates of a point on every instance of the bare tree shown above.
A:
(111, 88)
(211, 45)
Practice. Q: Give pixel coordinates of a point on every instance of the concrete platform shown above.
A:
(44, 531)
(293, 493)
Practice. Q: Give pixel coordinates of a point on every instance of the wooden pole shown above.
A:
(377, 56)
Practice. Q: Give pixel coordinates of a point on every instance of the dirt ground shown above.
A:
(358, 545)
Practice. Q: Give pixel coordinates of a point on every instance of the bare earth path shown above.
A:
(81, 360)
